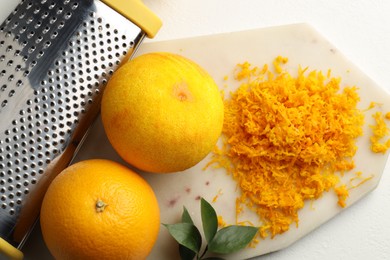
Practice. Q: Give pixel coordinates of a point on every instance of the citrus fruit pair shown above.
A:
(162, 112)
(99, 209)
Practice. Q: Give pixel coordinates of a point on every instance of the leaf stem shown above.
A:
(204, 252)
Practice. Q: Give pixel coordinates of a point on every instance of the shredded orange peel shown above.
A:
(217, 196)
(286, 140)
(387, 116)
(380, 131)
(221, 221)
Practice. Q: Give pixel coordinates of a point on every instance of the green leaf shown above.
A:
(186, 234)
(209, 220)
(231, 239)
(186, 253)
(185, 217)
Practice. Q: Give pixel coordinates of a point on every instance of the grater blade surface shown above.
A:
(55, 59)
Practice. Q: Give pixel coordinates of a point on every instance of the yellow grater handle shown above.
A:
(138, 13)
(9, 251)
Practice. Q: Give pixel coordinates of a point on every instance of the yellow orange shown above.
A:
(162, 112)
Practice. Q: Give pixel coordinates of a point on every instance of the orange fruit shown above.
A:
(162, 112)
(99, 209)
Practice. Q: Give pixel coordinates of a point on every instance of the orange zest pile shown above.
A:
(287, 140)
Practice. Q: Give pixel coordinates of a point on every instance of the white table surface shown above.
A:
(361, 30)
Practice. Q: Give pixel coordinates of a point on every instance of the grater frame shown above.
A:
(55, 59)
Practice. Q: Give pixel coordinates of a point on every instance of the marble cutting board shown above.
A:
(218, 54)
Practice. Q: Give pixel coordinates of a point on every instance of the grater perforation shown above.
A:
(56, 58)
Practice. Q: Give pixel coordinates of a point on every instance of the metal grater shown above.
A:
(55, 59)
